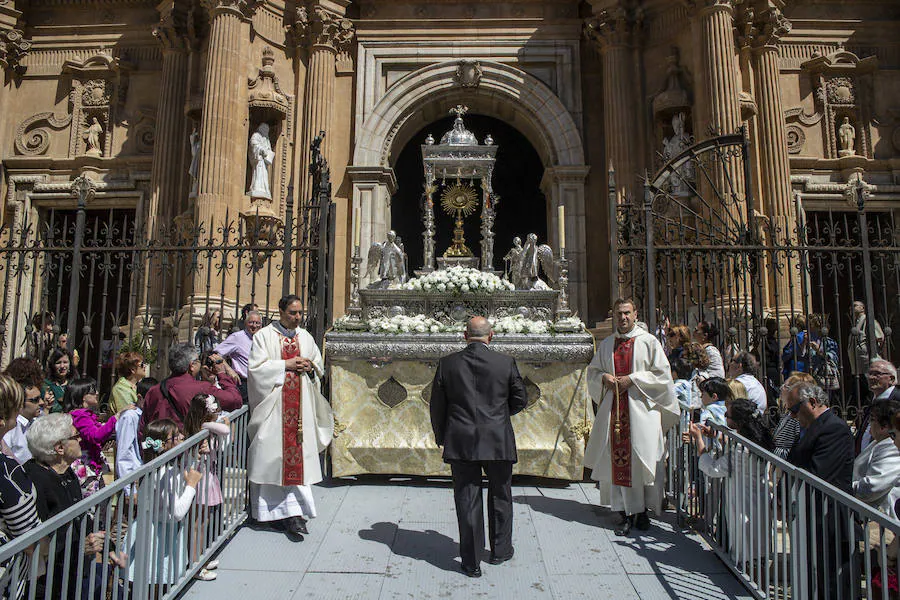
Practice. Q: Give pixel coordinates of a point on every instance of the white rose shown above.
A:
(464, 288)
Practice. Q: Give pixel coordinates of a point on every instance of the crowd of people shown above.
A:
(795, 419)
(62, 443)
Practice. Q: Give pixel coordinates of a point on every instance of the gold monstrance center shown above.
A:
(459, 201)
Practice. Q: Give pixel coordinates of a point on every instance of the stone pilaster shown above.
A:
(167, 197)
(326, 33)
(612, 31)
(222, 125)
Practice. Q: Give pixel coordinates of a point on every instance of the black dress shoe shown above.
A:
(470, 571)
(625, 527)
(642, 521)
(499, 560)
(295, 525)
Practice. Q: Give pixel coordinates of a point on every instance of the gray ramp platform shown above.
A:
(398, 540)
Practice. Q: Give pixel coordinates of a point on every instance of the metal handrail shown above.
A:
(131, 503)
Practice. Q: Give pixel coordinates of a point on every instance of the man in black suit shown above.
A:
(474, 393)
(826, 451)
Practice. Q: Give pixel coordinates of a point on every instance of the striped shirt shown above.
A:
(18, 508)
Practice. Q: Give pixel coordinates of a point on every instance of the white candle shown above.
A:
(561, 216)
(357, 227)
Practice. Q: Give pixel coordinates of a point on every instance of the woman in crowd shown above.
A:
(738, 389)
(130, 369)
(28, 374)
(53, 441)
(207, 336)
(82, 402)
(59, 372)
(876, 471)
(18, 495)
(705, 334)
(787, 431)
(677, 339)
(62, 341)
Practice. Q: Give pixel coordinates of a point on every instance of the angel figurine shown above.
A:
(534, 259)
(388, 261)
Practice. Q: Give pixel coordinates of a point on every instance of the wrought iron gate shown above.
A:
(114, 283)
(699, 248)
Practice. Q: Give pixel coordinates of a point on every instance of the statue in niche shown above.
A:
(534, 259)
(194, 169)
(513, 259)
(672, 147)
(261, 157)
(388, 261)
(847, 138)
(92, 136)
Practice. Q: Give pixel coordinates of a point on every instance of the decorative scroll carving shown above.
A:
(35, 141)
(13, 48)
(796, 139)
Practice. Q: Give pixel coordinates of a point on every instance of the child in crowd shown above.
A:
(714, 393)
(168, 542)
(82, 401)
(203, 413)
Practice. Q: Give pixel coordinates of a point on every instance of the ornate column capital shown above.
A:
(13, 48)
(769, 28)
(614, 26)
(700, 7)
(245, 9)
(173, 29)
(318, 26)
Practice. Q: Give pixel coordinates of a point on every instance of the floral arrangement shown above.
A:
(420, 324)
(458, 280)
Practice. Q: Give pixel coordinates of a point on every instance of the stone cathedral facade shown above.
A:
(156, 102)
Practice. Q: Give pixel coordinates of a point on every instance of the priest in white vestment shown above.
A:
(630, 379)
(290, 421)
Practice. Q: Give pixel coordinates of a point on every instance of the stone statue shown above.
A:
(513, 259)
(387, 259)
(847, 138)
(672, 147)
(535, 258)
(194, 169)
(261, 157)
(92, 137)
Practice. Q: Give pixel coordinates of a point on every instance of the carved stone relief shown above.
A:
(796, 139)
(34, 140)
(99, 86)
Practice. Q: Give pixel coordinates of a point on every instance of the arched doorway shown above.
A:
(517, 178)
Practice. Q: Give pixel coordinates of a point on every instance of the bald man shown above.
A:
(474, 393)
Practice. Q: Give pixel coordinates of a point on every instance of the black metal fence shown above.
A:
(102, 281)
(699, 248)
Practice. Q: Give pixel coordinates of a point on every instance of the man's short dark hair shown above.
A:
(682, 368)
(627, 300)
(287, 301)
(180, 358)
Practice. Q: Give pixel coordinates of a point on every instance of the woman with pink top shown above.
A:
(81, 401)
(204, 413)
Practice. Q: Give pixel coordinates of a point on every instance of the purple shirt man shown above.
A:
(237, 345)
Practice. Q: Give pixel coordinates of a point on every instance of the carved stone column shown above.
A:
(776, 200)
(223, 143)
(170, 142)
(612, 31)
(13, 48)
(327, 34)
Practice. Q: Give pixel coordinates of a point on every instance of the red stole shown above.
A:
(620, 416)
(291, 418)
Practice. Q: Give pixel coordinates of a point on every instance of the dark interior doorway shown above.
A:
(517, 176)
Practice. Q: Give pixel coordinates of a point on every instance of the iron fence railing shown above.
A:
(112, 279)
(779, 282)
(137, 518)
(786, 533)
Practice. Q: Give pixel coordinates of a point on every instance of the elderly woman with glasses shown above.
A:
(82, 401)
(876, 471)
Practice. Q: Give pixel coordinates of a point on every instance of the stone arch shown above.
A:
(504, 92)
